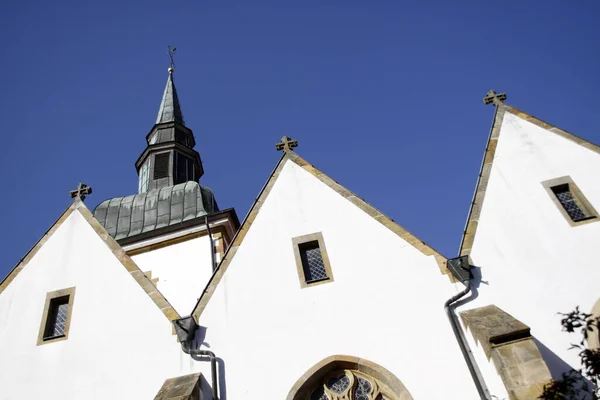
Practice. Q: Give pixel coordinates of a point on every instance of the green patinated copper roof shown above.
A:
(124, 217)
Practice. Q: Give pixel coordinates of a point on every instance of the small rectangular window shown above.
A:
(570, 201)
(565, 198)
(56, 317)
(312, 262)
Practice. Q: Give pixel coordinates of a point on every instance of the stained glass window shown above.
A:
(348, 384)
(319, 394)
(362, 389)
(338, 384)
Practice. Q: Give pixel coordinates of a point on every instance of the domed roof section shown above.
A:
(124, 217)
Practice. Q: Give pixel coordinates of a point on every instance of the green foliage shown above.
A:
(581, 384)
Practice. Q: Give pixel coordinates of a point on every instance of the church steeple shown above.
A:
(169, 195)
(169, 158)
(170, 109)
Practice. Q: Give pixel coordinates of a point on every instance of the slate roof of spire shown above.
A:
(170, 109)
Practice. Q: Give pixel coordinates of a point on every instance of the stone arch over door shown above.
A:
(342, 377)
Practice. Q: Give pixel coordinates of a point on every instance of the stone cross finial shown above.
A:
(286, 144)
(495, 98)
(81, 191)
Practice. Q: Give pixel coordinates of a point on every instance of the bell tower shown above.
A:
(169, 157)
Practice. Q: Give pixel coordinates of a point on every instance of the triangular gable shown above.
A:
(488, 160)
(145, 283)
(348, 195)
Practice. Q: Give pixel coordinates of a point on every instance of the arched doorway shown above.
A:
(342, 377)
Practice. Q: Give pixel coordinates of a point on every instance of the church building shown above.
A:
(315, 295)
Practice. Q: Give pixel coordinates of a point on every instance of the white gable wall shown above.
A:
(182, 269)
(120, 345)
(533, 262)
(385, 305)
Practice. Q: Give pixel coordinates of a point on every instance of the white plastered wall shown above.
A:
(182, 269)
(385, 305)
(533, 263)
(120, 344)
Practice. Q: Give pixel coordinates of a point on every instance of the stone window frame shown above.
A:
(581, 200)
(49, 297)
(389, 384)
(312, 237)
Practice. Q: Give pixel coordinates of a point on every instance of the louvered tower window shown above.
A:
(161, 165)
(184, 168)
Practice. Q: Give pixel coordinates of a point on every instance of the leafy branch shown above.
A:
(580, 384)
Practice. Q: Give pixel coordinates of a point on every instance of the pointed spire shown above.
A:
(170, 110)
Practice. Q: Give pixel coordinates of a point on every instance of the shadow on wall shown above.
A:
(556, 365)
(205, 388)
(222, 385)
(476, 281)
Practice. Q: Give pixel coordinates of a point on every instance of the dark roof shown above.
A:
(170, 109)
(128, 216)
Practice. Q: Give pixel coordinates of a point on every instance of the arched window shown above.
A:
(349, 384)
(348, 378)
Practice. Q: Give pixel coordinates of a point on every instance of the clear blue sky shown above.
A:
(384, 96)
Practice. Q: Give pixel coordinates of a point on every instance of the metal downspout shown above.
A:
(213, 364)
(462, 342)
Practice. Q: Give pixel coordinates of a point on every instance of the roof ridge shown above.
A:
(488, 159)
(237, 240)
(146, 284)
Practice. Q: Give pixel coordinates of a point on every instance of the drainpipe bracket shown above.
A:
(460, 268)
(185, 328)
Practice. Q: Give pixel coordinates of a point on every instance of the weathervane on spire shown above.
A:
(171, 56)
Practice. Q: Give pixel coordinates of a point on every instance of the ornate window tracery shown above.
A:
(348, 385)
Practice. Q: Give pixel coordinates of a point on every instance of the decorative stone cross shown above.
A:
(495, 98)
(286, 144)
(81, 191)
